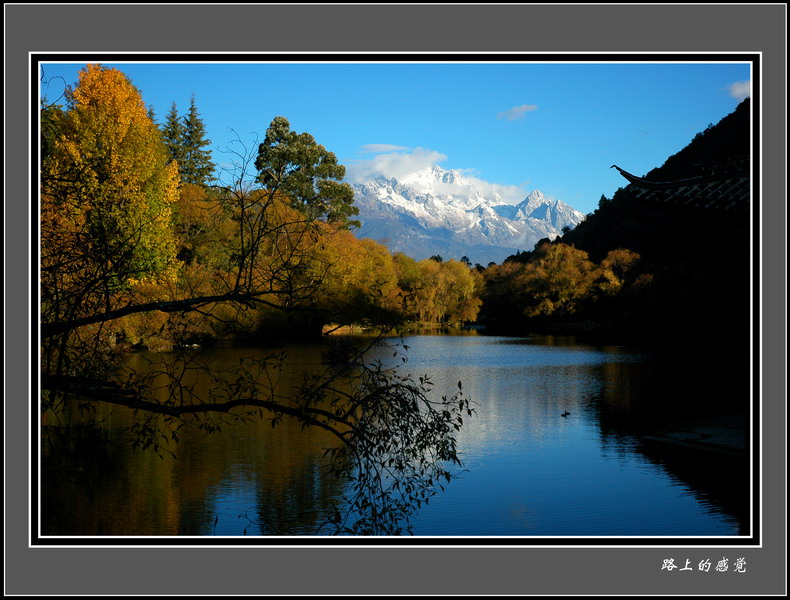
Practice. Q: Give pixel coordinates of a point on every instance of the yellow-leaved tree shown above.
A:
(359, 281)
(107, 187)
(559, 280)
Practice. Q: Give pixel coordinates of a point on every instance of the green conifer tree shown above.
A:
(195, 166)
(173, 134)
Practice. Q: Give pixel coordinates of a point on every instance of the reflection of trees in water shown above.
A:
(356, 428)
(669, 387)
(719, 480)
(94, 483)
(647, 397)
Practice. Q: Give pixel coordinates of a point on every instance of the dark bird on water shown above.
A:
(565, 414)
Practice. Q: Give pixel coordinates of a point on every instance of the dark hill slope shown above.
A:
(699, 258)
(663, 234)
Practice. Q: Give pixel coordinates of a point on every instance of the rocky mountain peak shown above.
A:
(438, 211)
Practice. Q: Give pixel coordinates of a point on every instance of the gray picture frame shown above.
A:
(422, 570)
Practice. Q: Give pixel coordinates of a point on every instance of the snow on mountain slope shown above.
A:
(436, 211)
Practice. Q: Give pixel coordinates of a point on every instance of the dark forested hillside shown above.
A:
(727, 140)
(659, 231)
(660, 263)
(688, 263)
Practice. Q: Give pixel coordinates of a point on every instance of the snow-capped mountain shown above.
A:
(437, 211)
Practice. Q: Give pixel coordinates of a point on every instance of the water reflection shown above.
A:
(249, 476)
(531, 472)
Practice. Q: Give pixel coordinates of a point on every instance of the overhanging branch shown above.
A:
(167, 306)
(112, 393)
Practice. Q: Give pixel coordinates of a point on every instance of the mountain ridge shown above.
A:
(437, 211)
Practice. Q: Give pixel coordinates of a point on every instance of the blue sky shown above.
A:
(554, 127)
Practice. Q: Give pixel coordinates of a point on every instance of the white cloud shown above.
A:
(740, 89)
(510, 194)
(402, 165)
(393, 164)
(517, 112)
(379, 148)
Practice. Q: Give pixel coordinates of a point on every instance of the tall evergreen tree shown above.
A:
(195, 166)
(173, 134)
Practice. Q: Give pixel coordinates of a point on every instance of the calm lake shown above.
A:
(529, 470)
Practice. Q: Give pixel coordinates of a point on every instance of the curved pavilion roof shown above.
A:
(722, 186)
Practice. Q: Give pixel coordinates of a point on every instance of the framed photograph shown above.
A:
(319, 301)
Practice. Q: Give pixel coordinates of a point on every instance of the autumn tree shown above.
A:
(107, 190)
(107, 164)
(458, 294)
(617, 268)
(409, 283)
(360, 281)
(559, 280)
(427, 290)
(440, 292)
(504, 292)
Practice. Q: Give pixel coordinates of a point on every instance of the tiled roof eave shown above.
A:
(727, 190)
